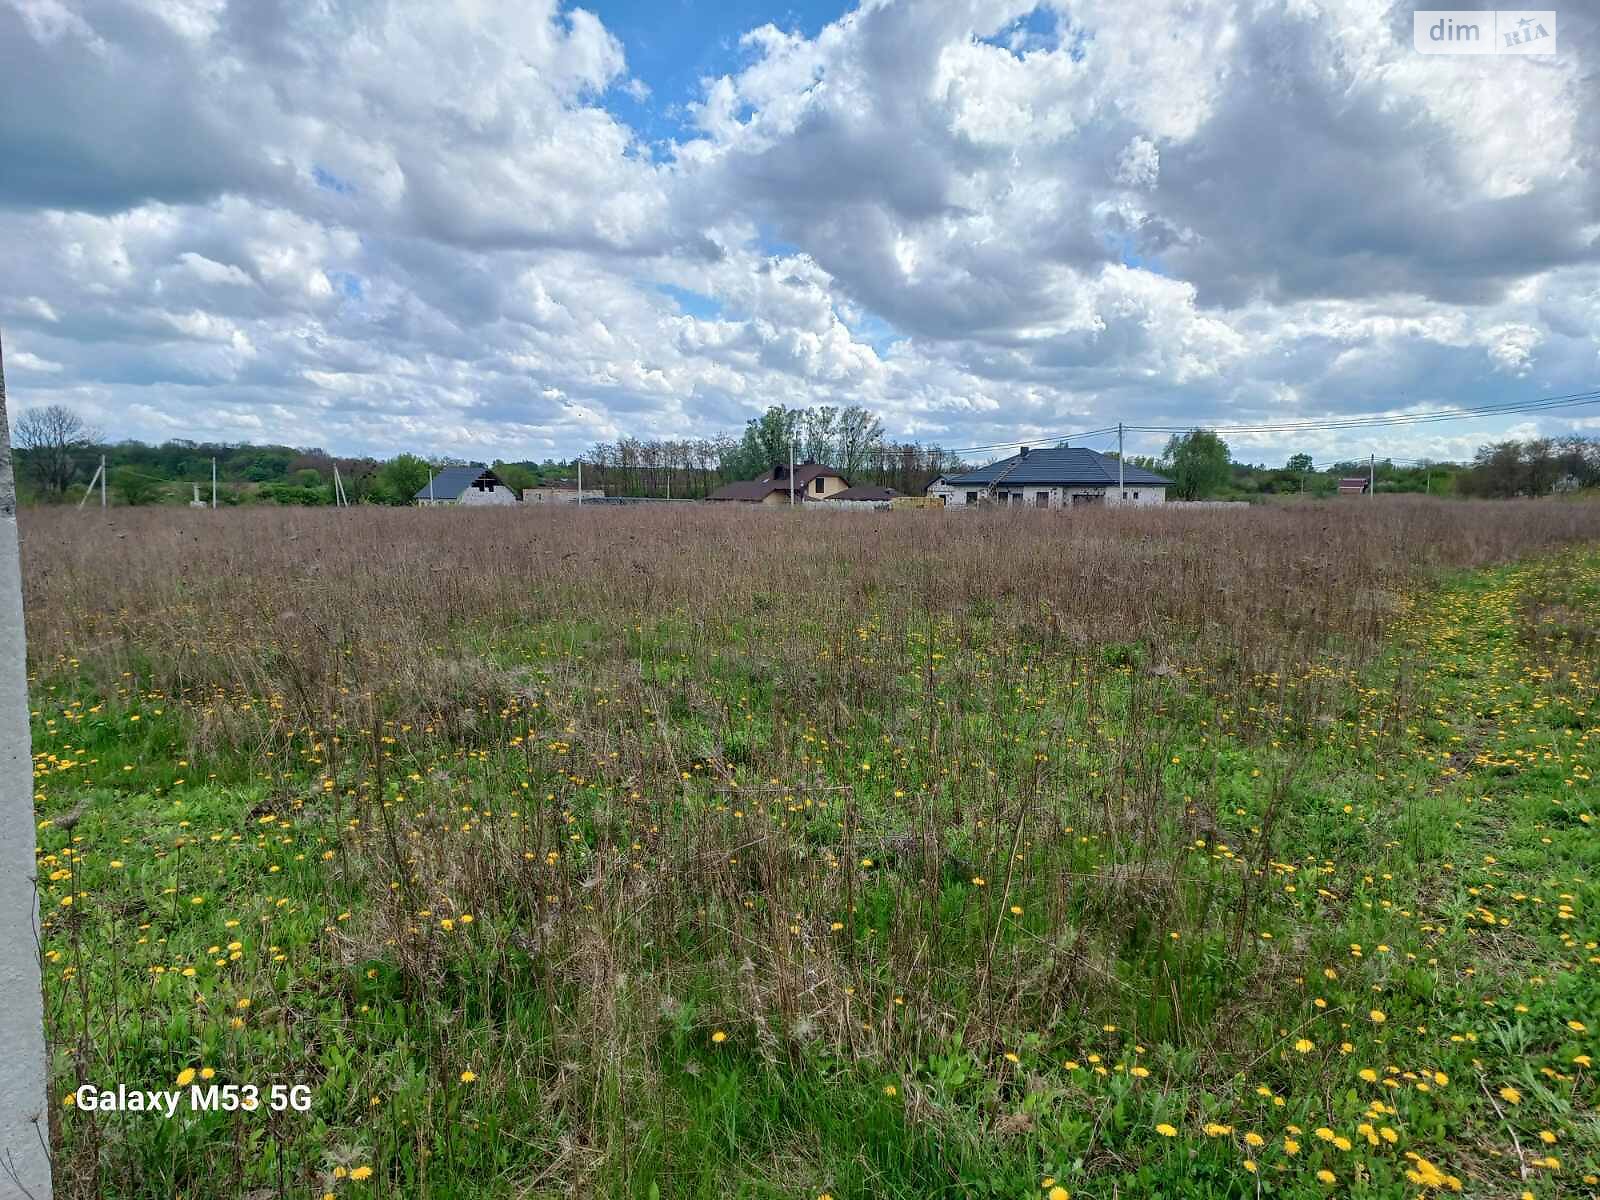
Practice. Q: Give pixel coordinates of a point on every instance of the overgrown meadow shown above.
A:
(686, 852)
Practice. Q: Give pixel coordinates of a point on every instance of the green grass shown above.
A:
(1153, 903)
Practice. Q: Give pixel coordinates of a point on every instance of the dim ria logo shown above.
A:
(1484, 31)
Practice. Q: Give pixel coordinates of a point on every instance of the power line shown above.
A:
(1043, 437)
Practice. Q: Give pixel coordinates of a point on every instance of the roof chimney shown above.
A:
(1024, 452)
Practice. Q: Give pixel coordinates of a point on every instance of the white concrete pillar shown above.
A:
(24, 1123)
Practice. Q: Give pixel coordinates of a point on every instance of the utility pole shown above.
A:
(102, 481)
(580, 483)
(24, 1127)
(93, 480)
(791, 470)
(1372, 474)
(214, 482)
(1121, 491)
(430, 485)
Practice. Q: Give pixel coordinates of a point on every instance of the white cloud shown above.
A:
(1139, 164)
(31, 362)
(422, 225)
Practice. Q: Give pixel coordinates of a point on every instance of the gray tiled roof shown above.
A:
(1068, 466)
(449, 483)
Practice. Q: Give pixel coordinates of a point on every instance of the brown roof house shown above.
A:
(1353, 485)
(811, 482)
(865, 493)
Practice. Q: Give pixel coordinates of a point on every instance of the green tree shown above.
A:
(400, 479)
(290, 493)
(821, 433)
(1497, 470)
(135, 487)
(777, 433)
(515, 476)
(860, 437)
(1300, 463)
(1198, 463)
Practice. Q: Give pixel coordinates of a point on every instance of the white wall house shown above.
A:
(1062, 477)
(464, 485)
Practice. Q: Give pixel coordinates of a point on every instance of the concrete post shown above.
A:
(24, 1124)
(1122, 487)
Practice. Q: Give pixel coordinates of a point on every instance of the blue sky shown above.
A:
(516, 228)
(675, 44)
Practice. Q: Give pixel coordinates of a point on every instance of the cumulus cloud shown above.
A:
(388, 224)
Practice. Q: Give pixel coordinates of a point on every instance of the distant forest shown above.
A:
(57, 455)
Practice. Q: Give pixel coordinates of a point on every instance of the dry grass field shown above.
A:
(683, 852)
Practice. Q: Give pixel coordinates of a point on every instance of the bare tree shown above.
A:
(54, 439)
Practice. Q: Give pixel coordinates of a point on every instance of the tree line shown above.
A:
(1536, 467)
(851, 440)
(57, 452)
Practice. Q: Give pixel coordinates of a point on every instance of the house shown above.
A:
(464, 485)
(940, 490)
(1354, 485)
(811, 482)
(1053, 478)
(865, 493)
(860, 496)
(561, 494)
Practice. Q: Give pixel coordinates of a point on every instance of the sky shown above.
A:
(515, 228)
